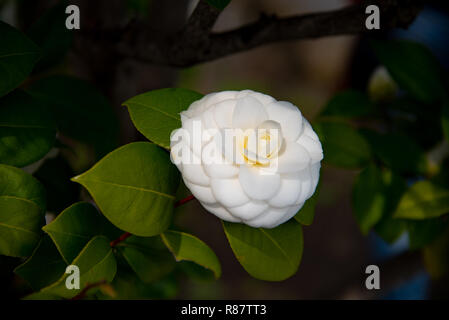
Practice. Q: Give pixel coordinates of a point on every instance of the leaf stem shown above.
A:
(126, 235)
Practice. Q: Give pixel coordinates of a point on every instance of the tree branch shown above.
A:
(196, 44)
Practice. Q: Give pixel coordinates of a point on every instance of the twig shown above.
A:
(195, 44)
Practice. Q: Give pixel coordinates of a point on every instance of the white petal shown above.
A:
(258, 184)
(215, 165)
(208, 119)
(292, 211)
(308, 130)
(249, 210)
(288, 192)
(289, 116)
(263, 98)
(203, 194)
(292, 157)
(194, 172)
(223, 112)
(268, 219)
(229, 192)
(312, 146)
(214, 98)
(221, 212)
(248, 113)
(307, 189)
(315, 172)
(194, 132)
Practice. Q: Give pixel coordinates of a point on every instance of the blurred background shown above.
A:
(307, 73)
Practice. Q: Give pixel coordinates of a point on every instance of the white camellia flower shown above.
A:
(247, 157)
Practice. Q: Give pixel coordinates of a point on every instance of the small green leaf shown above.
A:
(148, 257)
(44, 267)
(75, 226)
(267, 254)
(50, 34)
(156, 113)
(219, 4)
(188, 247)
(343, 146)
(423, 200)
(95, 262)
(134, 186)
(80, 110)
(18, 55)
(409, 158)
(348, 104)
(27, 129)
(22, 209)
(306, 214)
(368, 198)
(413, 67)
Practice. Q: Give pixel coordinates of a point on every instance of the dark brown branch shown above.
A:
(195, 44)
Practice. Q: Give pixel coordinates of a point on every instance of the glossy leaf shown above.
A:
(80, 110)
(187, 247)
(22, 208)
(147, 257)
(423, 200)
(397, 151)
(306, 215)
(368, 198)
(134, 187)
(18, 54)
(348, 104)
(267, 254)
(156, 113)
(44, 267)
(413, 67)
(50, 34)
(342, 145)
(95, 262)
(75, 226)
(27, 129)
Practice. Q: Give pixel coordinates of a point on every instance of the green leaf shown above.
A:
(306, 214)
(267, 254)
(134, 187)
(348, 104)
(188, 247)
(27, 129)
(147, 257)
(409, 158)
(423, 232)
(436, 256)
(44, 267)
(75, 226)
(423, 200)
(343, 146)
(22, 209)
(55, 174)
(80, 111)
(219, 4)
(95, 262)
(18, 55)
(413, 67)
(368, 198)
(156, 113)
(389, 228)
(50, 34)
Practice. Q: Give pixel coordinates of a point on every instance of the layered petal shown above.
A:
(249, 210)
(229, 192)
(248, 113)
(259, 184)
(289, 116)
